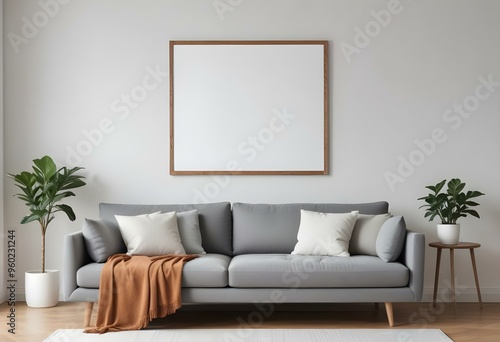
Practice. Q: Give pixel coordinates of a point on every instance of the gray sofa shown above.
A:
(248, 260)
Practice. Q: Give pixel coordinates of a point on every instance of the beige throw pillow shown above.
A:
(151, 234)
(365, 232)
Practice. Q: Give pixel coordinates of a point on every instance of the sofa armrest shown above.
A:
(413, 258)
(74, 256)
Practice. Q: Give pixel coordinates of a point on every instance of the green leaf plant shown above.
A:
(451, 204)
(43, 190)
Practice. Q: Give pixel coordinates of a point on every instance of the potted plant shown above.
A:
(42, 191)
(449, 206)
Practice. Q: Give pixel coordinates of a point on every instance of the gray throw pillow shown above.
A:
(391, 238)
(189, 230)
(103, 239)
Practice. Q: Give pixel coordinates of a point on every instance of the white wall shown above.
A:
(72, 71)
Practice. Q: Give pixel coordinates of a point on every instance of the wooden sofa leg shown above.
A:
(88, 314)
(390, 313)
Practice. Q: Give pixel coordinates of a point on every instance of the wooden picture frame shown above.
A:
(249, 107)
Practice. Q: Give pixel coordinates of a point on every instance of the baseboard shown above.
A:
(21, 295)
(488, 295)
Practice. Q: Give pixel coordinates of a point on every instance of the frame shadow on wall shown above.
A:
(249, 107)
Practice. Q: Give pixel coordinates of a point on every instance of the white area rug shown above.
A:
(254, 335)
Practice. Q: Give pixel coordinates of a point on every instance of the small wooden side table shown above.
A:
(461, 245)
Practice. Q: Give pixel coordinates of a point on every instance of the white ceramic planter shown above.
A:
(42, 289)
(448, 234)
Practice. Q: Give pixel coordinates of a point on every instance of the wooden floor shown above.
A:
(469, 323)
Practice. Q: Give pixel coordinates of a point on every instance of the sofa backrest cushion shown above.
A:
(273, 228)
(214, 218)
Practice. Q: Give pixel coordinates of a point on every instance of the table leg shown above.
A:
(473, 259)
(452, 269)
(436, 276)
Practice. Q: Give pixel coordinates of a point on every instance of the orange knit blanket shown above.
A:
(136, 289)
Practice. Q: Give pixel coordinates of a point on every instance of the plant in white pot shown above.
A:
(449, 206)
(42, 191)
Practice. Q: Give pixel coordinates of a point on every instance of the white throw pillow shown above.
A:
(151, 234)
(324, 233)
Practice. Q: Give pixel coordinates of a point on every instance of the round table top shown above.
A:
(460, 245)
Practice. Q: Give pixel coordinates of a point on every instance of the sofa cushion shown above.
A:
(151, 234)
(272, 228)
(214, 218)
(365, 232)
(208, 270)
(324, 233)
(102, 239)
(391, 239)
(301, 271)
